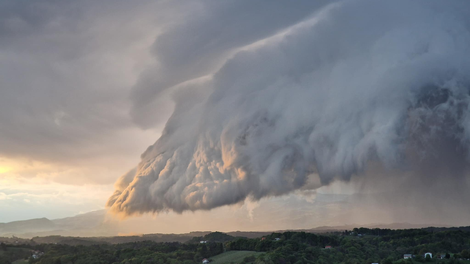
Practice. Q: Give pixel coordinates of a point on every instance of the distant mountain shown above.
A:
(32, 225)
(92, 223)
(322, 229)
(81, 221)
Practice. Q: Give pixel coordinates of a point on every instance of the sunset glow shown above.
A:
(4, 169)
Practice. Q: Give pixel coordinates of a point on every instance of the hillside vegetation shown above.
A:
(9, 254)
(356, 246)
(235, 257)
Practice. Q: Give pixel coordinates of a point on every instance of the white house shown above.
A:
(204, 261)
(203, 241)
(428, 254)
(407, 256)
(37, 254)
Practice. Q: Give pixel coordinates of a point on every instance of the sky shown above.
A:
(174, 112)
(70, 76)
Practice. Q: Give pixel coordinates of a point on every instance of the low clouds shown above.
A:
(346, 85)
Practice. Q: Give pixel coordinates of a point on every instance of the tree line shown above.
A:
(358, 246)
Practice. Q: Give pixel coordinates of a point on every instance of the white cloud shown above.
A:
(326, 94)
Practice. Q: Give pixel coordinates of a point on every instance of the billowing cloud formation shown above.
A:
(354, 83)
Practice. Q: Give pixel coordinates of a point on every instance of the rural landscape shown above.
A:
(360, 245)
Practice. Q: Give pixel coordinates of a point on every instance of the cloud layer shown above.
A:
(65, 73)
(296, 105)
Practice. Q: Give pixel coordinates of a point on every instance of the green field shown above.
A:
(21, 261)
(233, 256)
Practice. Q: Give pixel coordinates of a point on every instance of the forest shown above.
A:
(357, 246)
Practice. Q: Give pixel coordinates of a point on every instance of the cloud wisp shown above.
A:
(370, 82)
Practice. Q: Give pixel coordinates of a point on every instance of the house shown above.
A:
(428, 254)
(328, 247)
(203, 241)
(204, 261)
(407, 256)
(37, 254)
(277, 239)
(263, 238)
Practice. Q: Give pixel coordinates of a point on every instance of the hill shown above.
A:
(212, 237)
(94, 224)
(361, 245)
(39, 224)
(89, 224)
(234, 257)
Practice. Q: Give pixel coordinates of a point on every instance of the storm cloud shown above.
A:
(333, 91)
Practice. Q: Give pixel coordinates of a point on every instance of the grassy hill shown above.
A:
(233, 256)
(21, 261)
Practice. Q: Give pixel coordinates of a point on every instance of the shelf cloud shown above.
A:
(333, 91)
